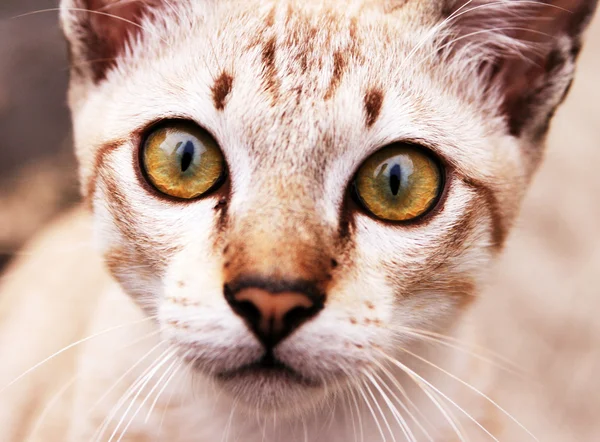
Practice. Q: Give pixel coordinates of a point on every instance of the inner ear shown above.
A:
(524, 53)
(116, 21)
(99, 31)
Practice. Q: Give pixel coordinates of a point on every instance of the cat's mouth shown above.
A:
(269, 384)
(268, 368)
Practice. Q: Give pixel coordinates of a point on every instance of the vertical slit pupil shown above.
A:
(395, 179)
(187, 156)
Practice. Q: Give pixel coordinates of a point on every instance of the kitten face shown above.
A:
(298, 96)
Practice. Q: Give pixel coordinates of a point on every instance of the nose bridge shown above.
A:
(278, 234)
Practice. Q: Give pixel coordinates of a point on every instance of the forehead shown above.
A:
(325, 72)
(349, 77)
(294, 59)
(294, 85)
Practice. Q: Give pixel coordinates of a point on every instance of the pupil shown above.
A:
(187, 156)
(395, 179)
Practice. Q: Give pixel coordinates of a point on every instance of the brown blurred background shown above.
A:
(37, 167)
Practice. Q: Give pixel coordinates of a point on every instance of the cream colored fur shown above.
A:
(168, 258)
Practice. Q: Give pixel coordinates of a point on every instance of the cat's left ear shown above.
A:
(98, 31)
(523, 51)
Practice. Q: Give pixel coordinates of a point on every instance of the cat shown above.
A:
(293, 207)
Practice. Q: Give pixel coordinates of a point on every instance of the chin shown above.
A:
(269, 386)
(272, 391)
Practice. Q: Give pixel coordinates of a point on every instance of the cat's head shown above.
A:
(295, 188)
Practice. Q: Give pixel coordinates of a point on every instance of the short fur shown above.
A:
(298, 94)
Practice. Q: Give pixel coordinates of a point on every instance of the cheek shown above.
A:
(152, 246)
(143, 217)
(352, 330)
(393, 256)
(421, 276)
(193, 287)
(195, 275)
(195, 316)
(139, 274)
(406, 253)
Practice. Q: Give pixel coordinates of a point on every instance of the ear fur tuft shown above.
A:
(98, 31)
(523, 51)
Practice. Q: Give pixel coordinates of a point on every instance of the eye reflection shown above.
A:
(182, 160)
(398, 183)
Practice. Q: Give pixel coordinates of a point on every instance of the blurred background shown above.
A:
(542, 305)
(37, 167)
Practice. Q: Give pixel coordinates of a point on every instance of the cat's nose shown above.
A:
(273, 312)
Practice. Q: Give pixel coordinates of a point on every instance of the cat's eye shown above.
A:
(399, 183)
(182, 160)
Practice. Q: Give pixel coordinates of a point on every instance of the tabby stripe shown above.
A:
(499, 227)
(373, 101)
(339, 67)
(221, 90)
(270, 69)
(99, 161)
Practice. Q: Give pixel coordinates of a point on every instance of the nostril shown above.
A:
(273, 311)
(247, 310)
(297, 316)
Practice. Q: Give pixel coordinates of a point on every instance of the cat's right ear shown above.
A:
(99, 31)
(524, 51)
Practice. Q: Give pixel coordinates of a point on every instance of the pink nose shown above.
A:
(273, 315)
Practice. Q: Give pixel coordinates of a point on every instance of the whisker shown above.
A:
(138, 381)
(502, 4)
(404, 394)
(443, 406)
(152, 390)
(161, 391)
(145, 381)
(452, 342)
(164, 413)
(304, 428)
(77, 376)
(454, 425)
(448, 415)
(347, 406)
(382, 414)
(118, 3)
(70, 346)
(123, 376)
(40, 420)
(430, 34)
(399, 418)
(332, 410)
(229, 424)
(438, 391)
(366, 400)
(360, 422)
(402, 405)
(105, 14)
(262, 426)
(472, 388)
(460, 12)
(175, 11)
(482, 31)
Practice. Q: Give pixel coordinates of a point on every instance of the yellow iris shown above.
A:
(183, 160)
(399, 183)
